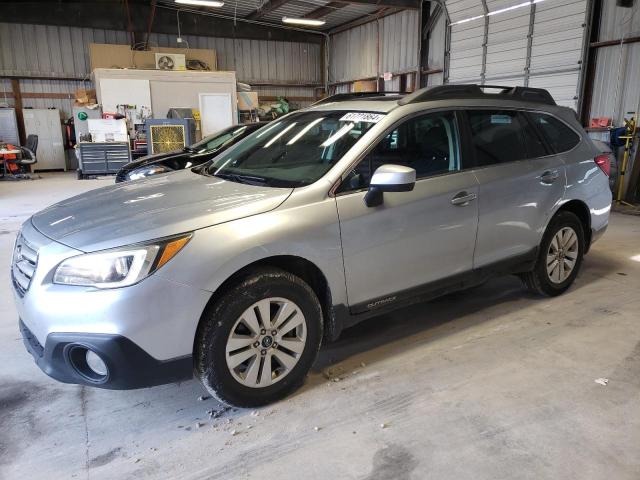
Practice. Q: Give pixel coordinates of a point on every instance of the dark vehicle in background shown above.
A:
(191, 156)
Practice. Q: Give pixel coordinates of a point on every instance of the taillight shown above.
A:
(604, 163)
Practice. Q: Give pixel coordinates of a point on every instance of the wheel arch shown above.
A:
(580, 210)
(303, 268)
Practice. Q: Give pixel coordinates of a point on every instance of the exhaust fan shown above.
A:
(170, 61)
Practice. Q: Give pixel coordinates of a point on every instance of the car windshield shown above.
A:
(215, 141)
(294, 151)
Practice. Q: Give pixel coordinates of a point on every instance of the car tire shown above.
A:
(551, 275)
(232, 318)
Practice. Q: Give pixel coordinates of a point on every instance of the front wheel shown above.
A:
(258, 341)
(559, 258)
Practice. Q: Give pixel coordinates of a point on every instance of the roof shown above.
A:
(375, 104)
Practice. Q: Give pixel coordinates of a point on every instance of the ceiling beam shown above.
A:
(272, 5)
(267, 7)
(406, 4)
(322, 12)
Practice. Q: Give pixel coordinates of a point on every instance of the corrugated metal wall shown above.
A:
(53, 51)
(616, 88)
(355, 53)
(539, 44)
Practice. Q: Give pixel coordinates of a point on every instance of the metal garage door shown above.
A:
(511, 42)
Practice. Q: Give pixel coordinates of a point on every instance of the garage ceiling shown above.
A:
(236, 19)
(335, 13)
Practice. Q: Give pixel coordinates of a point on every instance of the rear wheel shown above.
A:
(559, 258)
(259, 340)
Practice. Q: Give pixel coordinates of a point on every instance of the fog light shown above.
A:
(96, 364)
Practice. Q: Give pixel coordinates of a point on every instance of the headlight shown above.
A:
(118, 267)
(147, 171)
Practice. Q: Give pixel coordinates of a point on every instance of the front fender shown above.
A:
(308, 231)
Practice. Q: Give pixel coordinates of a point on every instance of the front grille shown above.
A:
(23, 267)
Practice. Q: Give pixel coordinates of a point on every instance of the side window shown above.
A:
(501, 136)
(560, 136)
(428, 143)
(534, 145)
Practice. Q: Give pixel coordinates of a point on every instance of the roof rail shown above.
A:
(474, 91)
(342, 97)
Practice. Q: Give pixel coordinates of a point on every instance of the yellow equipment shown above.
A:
(631, 124)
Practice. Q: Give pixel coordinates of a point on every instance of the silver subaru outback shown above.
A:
(237, 270)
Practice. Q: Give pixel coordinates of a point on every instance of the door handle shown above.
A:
(462, 199)
(549, 177)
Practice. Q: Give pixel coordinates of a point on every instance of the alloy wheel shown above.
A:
(266, 342)
(562, 255)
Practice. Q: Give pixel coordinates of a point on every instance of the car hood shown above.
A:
(159, 206)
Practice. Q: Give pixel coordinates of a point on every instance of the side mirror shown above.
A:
(389, 178)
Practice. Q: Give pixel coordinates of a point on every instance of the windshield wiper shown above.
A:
(239, 178)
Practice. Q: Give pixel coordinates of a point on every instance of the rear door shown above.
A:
(414, 238)
(520, 180)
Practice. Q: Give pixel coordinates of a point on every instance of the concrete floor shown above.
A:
(493, 383)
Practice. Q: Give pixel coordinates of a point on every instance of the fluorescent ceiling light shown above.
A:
(338, 135)
(272, 141)
(201, 3)
(305, 130)
(496, 12)
(312, 22)
(267, 129)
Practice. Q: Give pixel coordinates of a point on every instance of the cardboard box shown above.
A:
(365, 86)
(85, 96)
(247, 100)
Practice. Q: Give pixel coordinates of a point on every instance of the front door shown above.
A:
(414, 238)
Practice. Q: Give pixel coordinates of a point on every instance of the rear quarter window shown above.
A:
(559, 135)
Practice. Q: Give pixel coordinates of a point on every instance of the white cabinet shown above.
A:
(46, 124)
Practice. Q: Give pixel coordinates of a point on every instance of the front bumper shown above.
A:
(128, 366)
(144, 332)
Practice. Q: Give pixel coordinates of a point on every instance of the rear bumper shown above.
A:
(597, 234)
(128, 365)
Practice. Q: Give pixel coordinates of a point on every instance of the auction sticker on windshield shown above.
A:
(362, 117)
